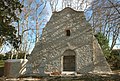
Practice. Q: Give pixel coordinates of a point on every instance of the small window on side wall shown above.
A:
(67, 32)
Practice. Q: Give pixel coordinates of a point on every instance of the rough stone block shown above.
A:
(14, 67)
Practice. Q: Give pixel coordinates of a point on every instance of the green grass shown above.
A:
(1, 63)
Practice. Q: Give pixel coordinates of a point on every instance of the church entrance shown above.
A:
(69, 63)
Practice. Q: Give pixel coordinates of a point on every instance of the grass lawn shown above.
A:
(1, 63)
(1, 69)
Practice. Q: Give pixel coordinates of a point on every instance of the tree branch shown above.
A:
(114, 6)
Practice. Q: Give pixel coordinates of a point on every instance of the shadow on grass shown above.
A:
(1, 71)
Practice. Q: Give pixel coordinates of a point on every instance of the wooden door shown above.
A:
(69, 63)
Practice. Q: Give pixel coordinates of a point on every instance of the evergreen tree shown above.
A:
(8, 9)
(104, 43)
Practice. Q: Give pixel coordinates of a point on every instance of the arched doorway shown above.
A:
(69, 60)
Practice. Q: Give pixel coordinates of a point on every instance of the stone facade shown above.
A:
(68, 35)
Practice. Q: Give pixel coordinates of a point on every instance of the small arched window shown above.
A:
(67, 32)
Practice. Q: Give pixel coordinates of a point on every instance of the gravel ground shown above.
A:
(84, 77)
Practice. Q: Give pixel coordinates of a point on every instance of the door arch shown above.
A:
(69, 60)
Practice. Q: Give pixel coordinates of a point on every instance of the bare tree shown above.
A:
(105, 18)
(58, 5)
(29, 26)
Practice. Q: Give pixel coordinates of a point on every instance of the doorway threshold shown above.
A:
(68, 73)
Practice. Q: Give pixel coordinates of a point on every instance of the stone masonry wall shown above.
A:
(55, 42)
(100, 62)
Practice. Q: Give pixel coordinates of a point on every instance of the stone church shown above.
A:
(67, 45)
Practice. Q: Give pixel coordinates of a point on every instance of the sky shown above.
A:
(42, 15)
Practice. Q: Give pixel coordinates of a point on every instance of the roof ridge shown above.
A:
(68, 8)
